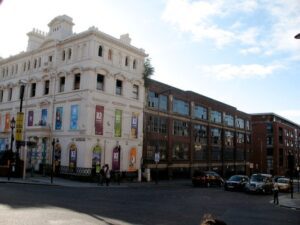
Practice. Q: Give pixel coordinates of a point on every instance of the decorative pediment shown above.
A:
(136, 81)
(101, 70)
(48, 43)
(120, 76)
(75, 70)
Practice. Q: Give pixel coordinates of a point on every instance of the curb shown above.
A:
(28, 183)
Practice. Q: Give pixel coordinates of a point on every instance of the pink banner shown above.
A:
(116, 158)
(99, 120)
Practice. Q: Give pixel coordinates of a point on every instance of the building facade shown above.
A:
(274, 139)
(191, 131)
(85, 91)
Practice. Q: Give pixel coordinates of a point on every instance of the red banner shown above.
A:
(99, 120)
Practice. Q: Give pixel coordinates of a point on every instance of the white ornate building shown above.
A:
(86, 90)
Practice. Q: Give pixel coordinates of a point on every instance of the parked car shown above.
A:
(260, 183)
(283, 184)
(207, 178)
(236, 182)
(275, 178)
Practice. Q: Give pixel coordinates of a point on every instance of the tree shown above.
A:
(148, 70)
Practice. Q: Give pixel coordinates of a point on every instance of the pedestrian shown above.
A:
(275, 192)
(107, 174)
(102, 175)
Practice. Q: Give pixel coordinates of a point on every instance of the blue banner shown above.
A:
(58, 118)
(74, 117)
(44, 117)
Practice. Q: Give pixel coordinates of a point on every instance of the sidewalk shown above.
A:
(57, 181)
(286, 201)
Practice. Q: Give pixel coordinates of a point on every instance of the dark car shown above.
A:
(236, 182)
(207, 178)
(260, 183)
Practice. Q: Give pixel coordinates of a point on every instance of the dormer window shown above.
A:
(100, 51)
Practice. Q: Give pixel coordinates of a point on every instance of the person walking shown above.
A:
(107, 174)
(275, 192)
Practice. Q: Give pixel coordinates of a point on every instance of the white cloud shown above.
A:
(252, 50)
(229, 71)
(233, 21)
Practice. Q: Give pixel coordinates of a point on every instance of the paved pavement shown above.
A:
(285, 199)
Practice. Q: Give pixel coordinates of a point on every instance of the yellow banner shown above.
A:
(19, 126)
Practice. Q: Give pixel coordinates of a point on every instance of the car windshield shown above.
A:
(235, 178)
(283, 180)
(257, 178)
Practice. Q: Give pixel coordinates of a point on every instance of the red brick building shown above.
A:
(274, 138)
(191, 131)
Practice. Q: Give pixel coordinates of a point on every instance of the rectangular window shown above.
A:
(33, 89)
(180, 128)
(50, 58)
(216, 154)
(61, 84)
(63, 55)
(228, 135)
(135, 91)
(240, 138)
(215, 117)
(215, 136)
(200, 112)
(180, 107)
(228, 120)
(118, 87)
(47, 86)
(9, 94)
(100, 82)
(240, 123)
(240, 155)
(157, 125)
(152, 147)
(69, 53)
(156, 100)
(200, 152)
(1, 95)
(180, 151)
(228, 154)
(77, 81)
(200, 134)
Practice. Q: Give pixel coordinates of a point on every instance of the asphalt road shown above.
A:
(146, 204)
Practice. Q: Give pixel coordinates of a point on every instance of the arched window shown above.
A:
(126, 61)
(134, 64)
(109, 54)
(100, 51)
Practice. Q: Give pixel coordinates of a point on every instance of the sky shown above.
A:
(240, 52)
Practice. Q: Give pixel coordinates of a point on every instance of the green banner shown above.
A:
(118, 123)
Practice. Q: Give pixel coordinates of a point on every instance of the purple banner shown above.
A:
(99, 120)
(116, 158)
(30, 119)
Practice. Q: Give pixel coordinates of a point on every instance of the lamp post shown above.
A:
(12, 126)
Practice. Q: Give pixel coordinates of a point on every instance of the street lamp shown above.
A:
(12, 126)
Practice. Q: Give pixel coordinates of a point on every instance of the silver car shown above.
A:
(260, 183)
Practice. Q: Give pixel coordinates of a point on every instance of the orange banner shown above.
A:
(132, 159)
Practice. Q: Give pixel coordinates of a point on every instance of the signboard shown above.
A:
(132, 160)
(134, 125)
(118, 123)
(116, 158)
(99, 120)
(19, 126)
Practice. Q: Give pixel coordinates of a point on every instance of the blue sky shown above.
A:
(240, 52)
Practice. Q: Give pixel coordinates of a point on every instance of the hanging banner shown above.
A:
(99, 120)
(96, 161)
(74, 117)
(73, 158)
(19, 126)
(57, 156)
(132, 159)
(7, 122)
(134, 125)
(44, 117)
(30, 119)
(0, 122)
(58, 118)
(116, 158)
(118, 123)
